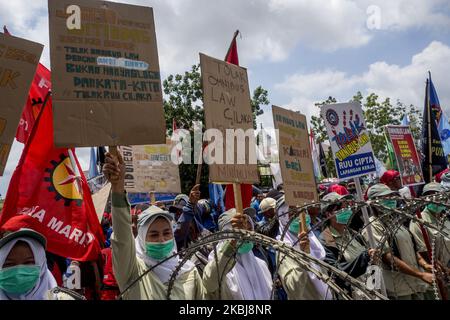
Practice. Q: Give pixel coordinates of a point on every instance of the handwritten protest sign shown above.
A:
(106, 79)
(349, 139)
(149, 168)
(295, 157)
(226, 99)
(406, 155)
(18, 61)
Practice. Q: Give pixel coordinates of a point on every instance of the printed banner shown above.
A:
(149, 168)
(408, 161)
(349, 139)
(105, 74)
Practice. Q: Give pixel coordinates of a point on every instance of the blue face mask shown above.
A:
(294, 227)
(19, 279)
(342, 216)
(246, 247)
(159, 250)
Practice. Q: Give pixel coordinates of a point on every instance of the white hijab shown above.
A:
(315, 247)
(46, 280)
(164, 270)
(250, 277)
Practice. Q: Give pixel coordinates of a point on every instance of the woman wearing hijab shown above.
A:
(154, 243)
(244, 276)
(298, 283)
(23, 267)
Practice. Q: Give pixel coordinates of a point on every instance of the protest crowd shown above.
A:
(365, 234)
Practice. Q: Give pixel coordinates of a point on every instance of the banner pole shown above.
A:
(369, 232)
(304, 227)
(430, 156)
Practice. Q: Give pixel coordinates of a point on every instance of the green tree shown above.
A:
(184, 102)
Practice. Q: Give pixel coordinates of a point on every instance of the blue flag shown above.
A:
(441, 119)
(216, 195)
(405, 120)
(436, 161)
(93, 169)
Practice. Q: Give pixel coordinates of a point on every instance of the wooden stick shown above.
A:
(152, 198)
(304, 228)
(238, 198)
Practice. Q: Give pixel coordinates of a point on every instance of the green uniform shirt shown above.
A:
(397, 283)
(127, 266)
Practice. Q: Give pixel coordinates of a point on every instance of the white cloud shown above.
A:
(406, 83)
(270, 29)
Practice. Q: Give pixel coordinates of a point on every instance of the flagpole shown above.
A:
(231, 44)
(430, 167)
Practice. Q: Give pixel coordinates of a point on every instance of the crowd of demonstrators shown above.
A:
(145, 244)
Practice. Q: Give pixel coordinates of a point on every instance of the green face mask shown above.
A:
(19, 279)
(294, 227)
(435, 208)
(391, 204)
(246, 247)
(343, 215)
(159, 250)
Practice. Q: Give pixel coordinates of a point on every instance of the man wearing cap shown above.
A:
(392, 179)
(345, 249)
(189, 226)
(433, 214)
(269, 225)
(403, 278)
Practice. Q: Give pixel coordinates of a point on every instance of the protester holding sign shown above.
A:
(246, 277)
(299, 283)
(154, 243)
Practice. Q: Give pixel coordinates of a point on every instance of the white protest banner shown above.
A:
(349, 139)
(149, 168)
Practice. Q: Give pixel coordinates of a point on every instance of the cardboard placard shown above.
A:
(18, 62)
(295, 157)
(408, 160)
(149, 168)
(349, 139)
(105, 76)
(226, 99)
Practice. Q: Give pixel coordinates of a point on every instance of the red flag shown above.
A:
(40, 87)
(45, 187)
(232, 54)
(246, 189)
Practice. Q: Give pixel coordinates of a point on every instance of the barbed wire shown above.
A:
(306, 261)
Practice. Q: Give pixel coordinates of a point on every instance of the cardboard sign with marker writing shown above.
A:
(150, 168)
(295, 157)
(18, 62)
(106, 79)
(226, 99)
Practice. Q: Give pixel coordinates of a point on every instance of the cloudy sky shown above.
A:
(301, 51)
